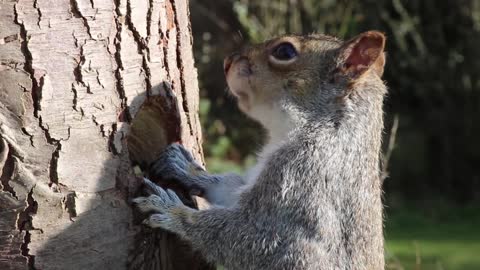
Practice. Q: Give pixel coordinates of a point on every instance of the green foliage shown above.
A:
(218, 149)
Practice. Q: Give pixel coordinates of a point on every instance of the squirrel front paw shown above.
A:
(168, 210)
(160, 199)
(177, 163)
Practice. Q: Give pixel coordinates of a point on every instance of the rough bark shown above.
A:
(73, 77)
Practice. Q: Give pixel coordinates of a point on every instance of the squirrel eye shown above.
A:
(284, 52)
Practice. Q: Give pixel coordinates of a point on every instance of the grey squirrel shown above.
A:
(313, 200)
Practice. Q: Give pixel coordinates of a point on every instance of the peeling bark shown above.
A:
(77, 78)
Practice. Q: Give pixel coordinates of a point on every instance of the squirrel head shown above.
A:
(301, 76)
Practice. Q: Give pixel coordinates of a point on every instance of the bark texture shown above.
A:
(74, 76)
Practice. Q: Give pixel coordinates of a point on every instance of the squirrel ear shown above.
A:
(362, 53)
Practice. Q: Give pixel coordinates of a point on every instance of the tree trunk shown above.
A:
(88, 87)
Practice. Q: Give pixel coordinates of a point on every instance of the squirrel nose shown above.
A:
(227, 62)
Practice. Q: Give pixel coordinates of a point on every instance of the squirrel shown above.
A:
(313, 200)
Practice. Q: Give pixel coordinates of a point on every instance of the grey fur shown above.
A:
(315, 202)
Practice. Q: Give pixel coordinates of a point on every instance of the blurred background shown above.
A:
(432, 138)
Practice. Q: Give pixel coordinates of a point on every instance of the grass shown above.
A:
(448, 239)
